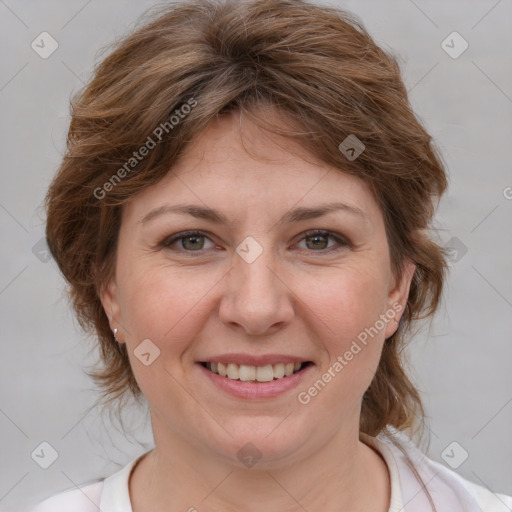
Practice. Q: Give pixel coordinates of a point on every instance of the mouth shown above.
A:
(256, 374)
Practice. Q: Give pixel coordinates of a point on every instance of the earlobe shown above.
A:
(109, 301)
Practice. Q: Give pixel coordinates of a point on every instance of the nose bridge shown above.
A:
(257, 277)
(256, 298)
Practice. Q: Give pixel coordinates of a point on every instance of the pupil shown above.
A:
(194, 243)
(317, 238)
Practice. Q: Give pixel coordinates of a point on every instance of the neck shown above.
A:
(344, 474)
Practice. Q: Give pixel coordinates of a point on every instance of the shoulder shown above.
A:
(446, 487)
(487, 500)
(84, 499)
(107, 494)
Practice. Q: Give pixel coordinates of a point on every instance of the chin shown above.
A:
(265, 444)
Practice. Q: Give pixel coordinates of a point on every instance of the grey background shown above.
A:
(462, 363)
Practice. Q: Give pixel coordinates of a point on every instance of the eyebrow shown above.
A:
(296, 215)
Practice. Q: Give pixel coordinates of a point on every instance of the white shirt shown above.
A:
(450, 492)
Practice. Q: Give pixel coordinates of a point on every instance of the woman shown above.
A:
(242, 215)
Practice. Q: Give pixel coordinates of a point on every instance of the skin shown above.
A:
(199, 298)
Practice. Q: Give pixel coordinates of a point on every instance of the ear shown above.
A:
(398, 295)
(110, 302)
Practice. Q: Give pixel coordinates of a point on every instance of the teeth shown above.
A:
(233, 371)
(247, 373)
(265, 373)
(279, 370)
(222, 368)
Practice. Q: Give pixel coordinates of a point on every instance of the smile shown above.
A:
(248, 373)
(255, 377)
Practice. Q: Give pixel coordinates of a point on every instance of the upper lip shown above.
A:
(251, 360)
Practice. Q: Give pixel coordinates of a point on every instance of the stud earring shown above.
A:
(115, 332)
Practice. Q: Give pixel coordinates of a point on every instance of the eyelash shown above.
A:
(342, 242)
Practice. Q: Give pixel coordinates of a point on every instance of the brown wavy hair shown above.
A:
(322, 72)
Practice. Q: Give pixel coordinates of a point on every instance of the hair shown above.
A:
(321, 71)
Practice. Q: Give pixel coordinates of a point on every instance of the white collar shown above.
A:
(115, 496)
(445, 486)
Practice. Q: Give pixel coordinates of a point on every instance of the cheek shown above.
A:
(168, 308)
(346, 302)
(350, 333)
(164, 304)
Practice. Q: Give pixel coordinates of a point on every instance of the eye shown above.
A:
(189, 241)
(194, 241)
(317, 241)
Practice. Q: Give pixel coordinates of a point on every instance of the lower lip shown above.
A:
(256, 390)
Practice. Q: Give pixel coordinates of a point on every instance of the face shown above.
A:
(257, 279)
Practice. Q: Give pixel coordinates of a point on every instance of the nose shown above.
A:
(257, 298)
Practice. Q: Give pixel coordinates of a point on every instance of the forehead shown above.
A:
(234, 164)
